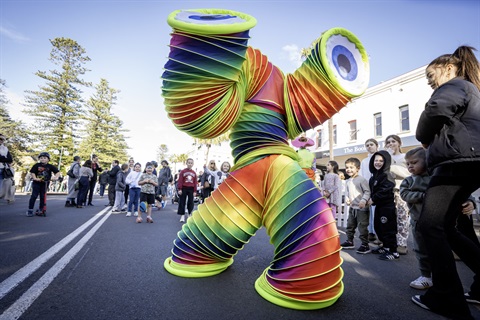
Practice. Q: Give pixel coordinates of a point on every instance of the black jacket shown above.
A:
(450, 124)
(112, 175)
(381, 182)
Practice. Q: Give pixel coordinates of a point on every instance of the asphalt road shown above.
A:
(89, 264)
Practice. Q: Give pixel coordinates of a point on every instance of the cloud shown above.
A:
(291, 52)
(15, 36)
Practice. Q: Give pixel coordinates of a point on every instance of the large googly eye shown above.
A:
(345, 61)
(211, 21)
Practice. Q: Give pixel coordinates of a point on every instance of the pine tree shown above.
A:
(103, 134)
(57, 107)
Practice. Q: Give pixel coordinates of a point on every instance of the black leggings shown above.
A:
(38, 188)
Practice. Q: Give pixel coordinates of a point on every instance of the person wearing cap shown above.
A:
(41, 176)
(307, 159)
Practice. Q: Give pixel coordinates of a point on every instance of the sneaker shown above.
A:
(129, 214)
(30, 213)
(115, 211)
(363, 249)
(182, 218)
(421, 283)
(347, 245)
(387, 256)
(418, 301)
(379, 250)
(135, 214)
(402, 250)
(163, 204)
(471, 299)
(372, 237)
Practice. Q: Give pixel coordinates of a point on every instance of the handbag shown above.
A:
(77, 185)
(7, 171)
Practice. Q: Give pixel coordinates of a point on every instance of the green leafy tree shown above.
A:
(103, 133)
(14, 131)
(209, 142)
(57, 107)
(179, 159)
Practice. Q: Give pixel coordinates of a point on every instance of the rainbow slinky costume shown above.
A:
(213, 82)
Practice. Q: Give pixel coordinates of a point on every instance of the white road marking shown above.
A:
(26, 300)
(15, 279)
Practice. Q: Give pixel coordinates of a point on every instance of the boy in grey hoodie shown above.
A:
(120, 190)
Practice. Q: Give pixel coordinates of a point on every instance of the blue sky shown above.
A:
(127, 42)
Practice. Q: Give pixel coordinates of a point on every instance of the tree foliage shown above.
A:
(162, 152)
(57, 107)
(209, 142)
(103, 134)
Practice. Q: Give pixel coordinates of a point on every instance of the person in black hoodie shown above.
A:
(381, 184)
(112, 181)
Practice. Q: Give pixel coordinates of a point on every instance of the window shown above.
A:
(334, 134)
(319, 138)
(353, 130)
(377, 122)
(404, 119)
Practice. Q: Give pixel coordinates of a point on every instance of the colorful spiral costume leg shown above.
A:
(214, 82)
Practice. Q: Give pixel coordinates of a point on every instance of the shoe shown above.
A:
(149, 220)
(372, 237)
(163, 204)
(402, 250)
(79, 206)
(387, 256)
(123, 210)
(363, 249)
(379, 250)
(129, 214)
(421, 283)
(90, 204)
(115, 211)
(347, 245)
(471, 299)
(139, 220)
(68, 204)
(30, 213)
(182, 218)
(418, 301)
(135, 214)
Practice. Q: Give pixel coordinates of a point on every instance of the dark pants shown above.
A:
(91, 190)
(358, 218)
(187, 192)
(385, 224)
(111, 194)
(449, 188)
(206, 192)
(126, 193)
(84, 184)
(38, 188)
(102, 189)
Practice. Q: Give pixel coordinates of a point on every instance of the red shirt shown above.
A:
(187, 178)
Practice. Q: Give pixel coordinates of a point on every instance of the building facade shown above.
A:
(391, 107)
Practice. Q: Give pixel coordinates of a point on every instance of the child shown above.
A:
(120, 186)
(357, 194)
(412, 191)
(85, 175)
(372, 146)
(134, 193)
(148, 182)
(332, 187)
(187, 188)
(385, 220)
(41, 173)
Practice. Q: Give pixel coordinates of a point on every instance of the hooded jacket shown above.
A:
(382, 182)
(450, 124)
